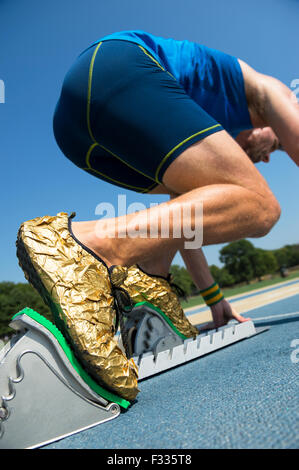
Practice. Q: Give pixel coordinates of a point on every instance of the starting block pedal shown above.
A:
(44, 392)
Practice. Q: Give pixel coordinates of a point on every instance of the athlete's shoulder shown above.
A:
(139, 34)
(129, 34)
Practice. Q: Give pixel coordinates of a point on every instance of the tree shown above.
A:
(182, 278)
(282, 256)
(270, 262)
(236, 257)
(258, 263)
(222, 276)
(15, 297)
(287, 256)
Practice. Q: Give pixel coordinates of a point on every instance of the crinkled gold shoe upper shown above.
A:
(80, 285)
(156, 290)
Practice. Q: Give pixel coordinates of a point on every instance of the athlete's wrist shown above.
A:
(212, 294)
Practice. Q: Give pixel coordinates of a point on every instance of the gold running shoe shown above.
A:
(76, 285)
(157, 291)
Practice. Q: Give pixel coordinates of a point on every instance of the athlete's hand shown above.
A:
(222, 313)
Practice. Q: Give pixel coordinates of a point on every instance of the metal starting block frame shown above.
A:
(46, 395)
(43, 398)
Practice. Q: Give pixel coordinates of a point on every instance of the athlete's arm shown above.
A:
(198, 268)
(271, 103)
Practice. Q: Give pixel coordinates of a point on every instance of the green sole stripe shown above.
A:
(71, 357)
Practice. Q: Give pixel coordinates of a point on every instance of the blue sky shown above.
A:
(39, 41)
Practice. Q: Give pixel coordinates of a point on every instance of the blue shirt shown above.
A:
(211, 78)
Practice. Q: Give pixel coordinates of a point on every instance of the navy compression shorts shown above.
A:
(123, 118)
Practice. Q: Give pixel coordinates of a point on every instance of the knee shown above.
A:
(268, 216)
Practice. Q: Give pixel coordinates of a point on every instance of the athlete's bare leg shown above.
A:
(216, 172)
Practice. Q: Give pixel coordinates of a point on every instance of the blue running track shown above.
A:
(244, 396)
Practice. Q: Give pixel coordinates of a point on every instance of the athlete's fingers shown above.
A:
(222, 313)
(230, 313)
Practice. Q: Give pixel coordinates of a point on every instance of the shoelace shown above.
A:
(123, 303)
(180, 292)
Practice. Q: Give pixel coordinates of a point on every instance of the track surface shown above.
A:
(243, 396)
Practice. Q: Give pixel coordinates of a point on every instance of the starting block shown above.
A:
(157, 346)
(46, 395)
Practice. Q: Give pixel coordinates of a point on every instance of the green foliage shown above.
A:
(222, 276)
(245, 262)
(237, 259)
(182, 278)
(263, 262)
(287, 256)
(15, 297)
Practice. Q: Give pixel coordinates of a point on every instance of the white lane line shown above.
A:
(245, 306)
(279, 315)
(248, 294)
